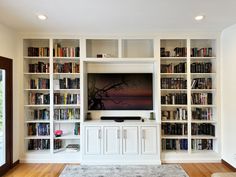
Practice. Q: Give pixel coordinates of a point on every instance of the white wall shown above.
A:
(228, 80)
(8, 49)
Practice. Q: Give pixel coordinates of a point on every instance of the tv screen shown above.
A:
(120, 91)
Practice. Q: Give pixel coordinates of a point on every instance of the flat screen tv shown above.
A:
(120, 91)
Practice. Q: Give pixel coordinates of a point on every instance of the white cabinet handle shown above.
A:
(99, 134)
(143, 134)
(118, 134)
(125, 134)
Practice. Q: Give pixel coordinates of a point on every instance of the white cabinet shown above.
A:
(111, 140)
(93, 136)
(148, 140)
(130, 140)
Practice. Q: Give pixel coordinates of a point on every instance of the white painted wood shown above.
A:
(93, 137)
(148, 140)
(130, 140)
(112, 140)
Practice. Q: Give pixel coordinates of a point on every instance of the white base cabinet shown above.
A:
(120, 143)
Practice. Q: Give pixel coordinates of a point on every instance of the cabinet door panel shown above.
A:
(149, 140)
(130, 140)
(111, 140)
(93, 140)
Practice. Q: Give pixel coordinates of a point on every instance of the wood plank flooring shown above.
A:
(53, 170)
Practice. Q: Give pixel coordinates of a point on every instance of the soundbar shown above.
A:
(120, 118)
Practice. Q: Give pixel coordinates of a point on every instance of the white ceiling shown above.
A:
(117, 16)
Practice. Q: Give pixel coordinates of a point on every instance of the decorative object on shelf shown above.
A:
(77, 129)
(152, 116)
(58, 133)
(72, 148)
(89, 116)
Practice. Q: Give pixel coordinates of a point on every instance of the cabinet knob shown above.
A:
(99, 134)
(125, 134)
(143, 134)
(118, 134)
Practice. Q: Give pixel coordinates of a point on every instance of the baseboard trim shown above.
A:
(15, 163)
(228, 165)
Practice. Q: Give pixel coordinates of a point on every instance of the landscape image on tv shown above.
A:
(120, 91)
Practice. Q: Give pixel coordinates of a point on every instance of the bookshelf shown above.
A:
(188, 68)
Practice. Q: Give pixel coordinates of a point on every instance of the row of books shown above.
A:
(174, 98)
(174, 144)
(39, 83)
(39, 67)
(202, 52)
(67, 114)
(66, 98)
(178, 114)
(58, 144)
(38, 129)
(201, 83)
(38, 51)
(172, 68)
(178, 52)
(201, 67)
(70, 67)
(202, 114)
(202, 144)
(201, 98)
(38, 144)
(174, 129)
(39, 114)
(60, 51)
(66, 83)
(203, 129)
(173, 83)
(39, 98)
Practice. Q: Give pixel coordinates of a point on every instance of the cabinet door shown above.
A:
(149, 140)
(93, 137)
(130, 140)
(111, 140)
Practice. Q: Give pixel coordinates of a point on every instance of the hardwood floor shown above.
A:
(53, 170)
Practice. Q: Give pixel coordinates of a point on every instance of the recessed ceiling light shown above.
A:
(199, 17)
(42, 17)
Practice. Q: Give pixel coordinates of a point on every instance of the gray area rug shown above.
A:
(169, 170)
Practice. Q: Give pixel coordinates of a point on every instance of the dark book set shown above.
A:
(39, 98)
(57, 144)
(70, 67)
(67, 114)
(174, 129)
(39, 67)
(178, 114)
(38, 144)
(202, 144)
(173, 83)
(202, 52)
(174, 144)
(38, 129)
(66, 98)
(68, 83)
(201, 83)
(174, 98)
(40, 114)
(178, 52)
(39, 83)
(38, 51)
(171, 68)
(201, 98)
(202, 114)
(203, 129)
(201, 67)
(60, 51)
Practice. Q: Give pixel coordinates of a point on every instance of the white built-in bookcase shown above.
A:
(124, 55)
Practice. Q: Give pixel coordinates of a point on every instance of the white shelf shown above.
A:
(202, 58)
(63, 151)
(38, 90)
(66, 90)
(204, 121)
(203, 90)
(38, 106)
(36, 58)
(68, 137)
(202, 106)
(43, 74)
(174, 105)
(66, 58)
(36, 152)
(66, 105)
(37, 121)
(67, 74)
(174, 90)
(67, 121)
(37, 137)
(175, 151)
(173, 74)
(174, 121)
(120, 60)
(174, 137)
(202, 137)
(203, 74)
(174, 58)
